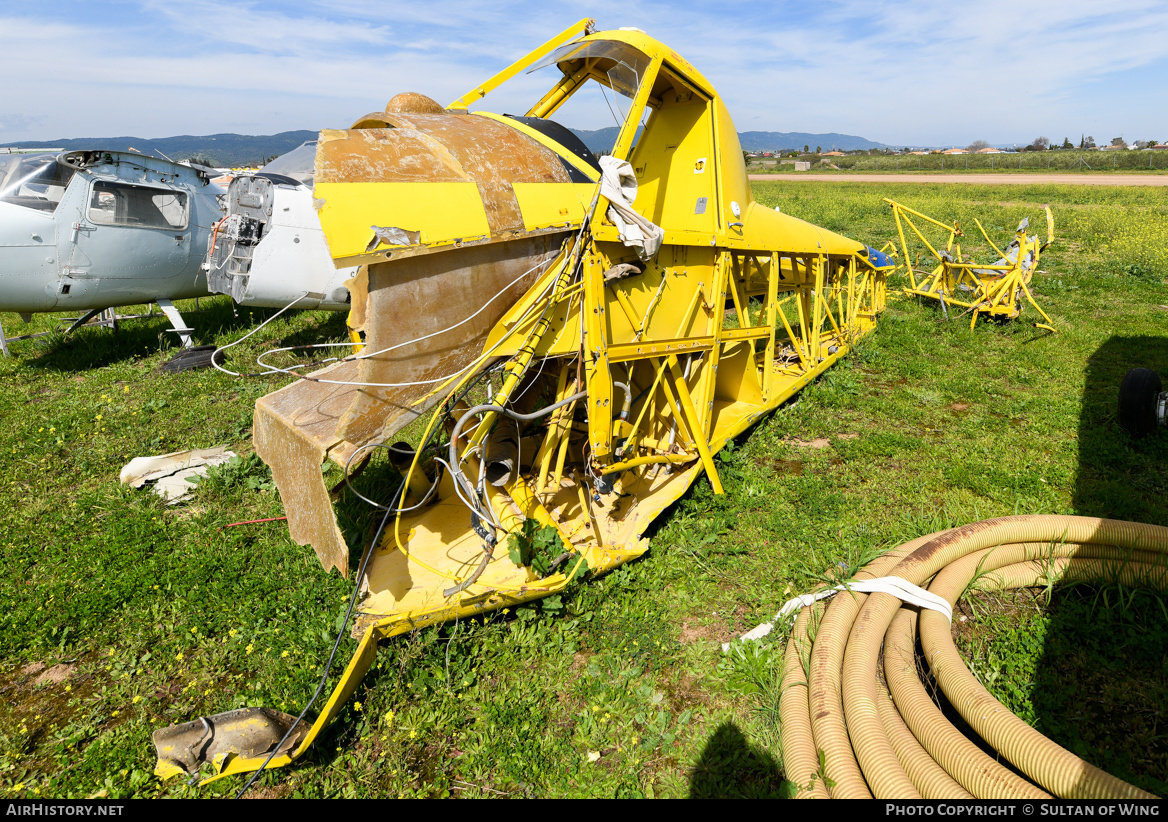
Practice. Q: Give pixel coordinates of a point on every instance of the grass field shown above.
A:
(1150, 160)
(125, 615)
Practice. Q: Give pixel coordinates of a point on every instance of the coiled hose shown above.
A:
(868, 714)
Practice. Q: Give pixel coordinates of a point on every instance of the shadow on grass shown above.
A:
(89, 348)
(329, 328)
(1120, 477)
(214, 317)
(731, 768)
(1099, 687)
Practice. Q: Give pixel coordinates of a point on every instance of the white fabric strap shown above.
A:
(618, 184)
(902, 589)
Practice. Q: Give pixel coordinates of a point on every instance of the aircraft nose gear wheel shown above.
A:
(1143, 405)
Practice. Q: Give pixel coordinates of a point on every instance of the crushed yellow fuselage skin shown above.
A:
(648, 366)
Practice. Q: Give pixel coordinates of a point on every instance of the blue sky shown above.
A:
(902, 73)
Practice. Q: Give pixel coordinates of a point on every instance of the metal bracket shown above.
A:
(176, 320)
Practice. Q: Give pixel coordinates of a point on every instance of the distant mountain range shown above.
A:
(771, 140)
(246, 150)
(231, 150)
(602, 140)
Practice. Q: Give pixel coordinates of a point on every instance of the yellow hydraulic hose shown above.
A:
(858, 722)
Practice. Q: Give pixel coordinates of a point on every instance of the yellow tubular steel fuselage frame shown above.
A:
(739, 310)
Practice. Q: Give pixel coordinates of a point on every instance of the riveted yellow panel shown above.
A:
(430, 214)
(553, 204)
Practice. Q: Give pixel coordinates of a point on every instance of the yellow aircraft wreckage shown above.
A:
(994, 290)
(584, 334)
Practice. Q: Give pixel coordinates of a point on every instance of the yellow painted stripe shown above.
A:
(440, 212)
(553, 204)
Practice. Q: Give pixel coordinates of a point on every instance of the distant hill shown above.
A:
(215, 149)
(602, 140)
(778, 140)
(599, 141)
(244, 150)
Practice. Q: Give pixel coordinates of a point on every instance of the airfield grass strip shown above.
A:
(123, 614)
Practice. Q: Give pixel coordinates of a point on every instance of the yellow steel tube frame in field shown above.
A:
(737, 311)
(994, 290)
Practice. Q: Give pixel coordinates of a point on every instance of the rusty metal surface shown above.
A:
(401, 147)
(302, 424)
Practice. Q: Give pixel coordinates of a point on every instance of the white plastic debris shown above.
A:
(897, 587)
(171, 473)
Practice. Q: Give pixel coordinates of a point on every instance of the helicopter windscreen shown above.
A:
(299, 164)
(34, 181)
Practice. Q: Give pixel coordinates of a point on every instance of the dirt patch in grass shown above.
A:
(54, 674)
(788, 467)
(817, 443)
(685, 693)
(274, 792)
(976, 617)
(691, 633)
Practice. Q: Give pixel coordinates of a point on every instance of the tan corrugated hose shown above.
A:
(857, 721)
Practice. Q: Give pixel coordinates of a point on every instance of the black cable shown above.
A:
(393, 449)
(393, 508)
(332, 656)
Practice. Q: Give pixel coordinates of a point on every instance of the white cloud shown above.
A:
(921, 73)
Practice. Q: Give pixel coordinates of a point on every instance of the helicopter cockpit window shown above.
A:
(120, 204)
(35, 181)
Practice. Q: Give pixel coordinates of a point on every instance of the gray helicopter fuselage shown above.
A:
(99, 229)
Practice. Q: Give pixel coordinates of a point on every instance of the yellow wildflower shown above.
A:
(250, 648)
(137, 699)
(413, 734)
(284, 655)
(356, 706)
(179, 657)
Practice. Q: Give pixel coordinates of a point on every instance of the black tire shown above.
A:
(197, 357)
(1137, 401)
